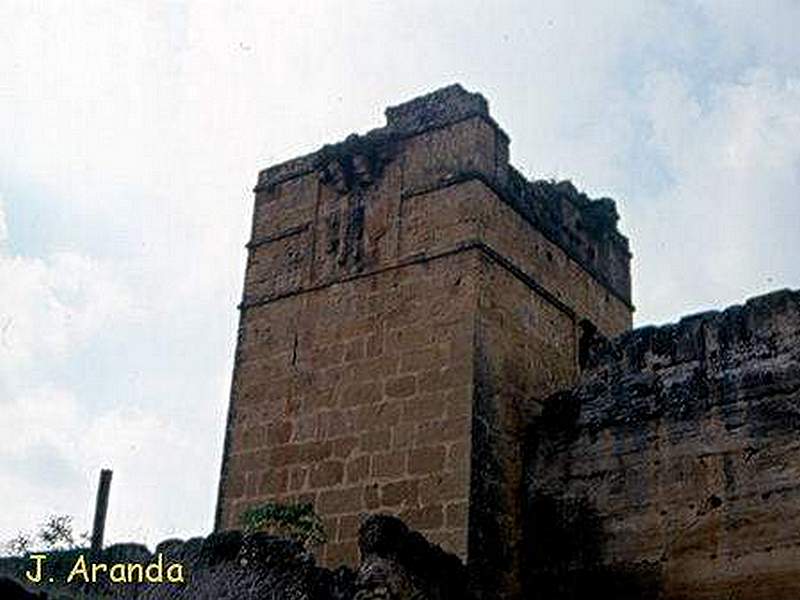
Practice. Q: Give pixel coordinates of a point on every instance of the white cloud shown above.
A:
(54, 305)
(726, 228)
(65, 447)
(56, 314)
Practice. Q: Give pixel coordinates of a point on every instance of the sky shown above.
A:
(131, 134)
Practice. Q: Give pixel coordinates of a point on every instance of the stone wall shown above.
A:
(403, 289)
(673, 469)
(397, 563)
(356, 399)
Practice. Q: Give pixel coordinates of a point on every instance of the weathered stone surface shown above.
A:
(400, 564)
(427, 334)
(673, 466)
(407, 293)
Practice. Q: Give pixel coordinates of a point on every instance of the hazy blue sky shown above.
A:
(131, 134)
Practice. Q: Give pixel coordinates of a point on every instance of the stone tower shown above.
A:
(409, 299)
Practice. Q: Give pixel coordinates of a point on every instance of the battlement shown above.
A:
(673, 461)
(767, 322)
(585, 229)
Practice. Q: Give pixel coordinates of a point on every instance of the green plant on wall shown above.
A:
(295, 521)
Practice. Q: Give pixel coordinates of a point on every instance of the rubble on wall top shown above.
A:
(439, 108)
(765, 318)
(545, 200)
(564, 214)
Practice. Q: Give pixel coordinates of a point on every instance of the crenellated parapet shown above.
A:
(763, 325)
(674, 462)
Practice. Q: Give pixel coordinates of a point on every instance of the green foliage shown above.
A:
(296, 521)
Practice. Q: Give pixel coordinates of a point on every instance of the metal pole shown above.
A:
(100, 508)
